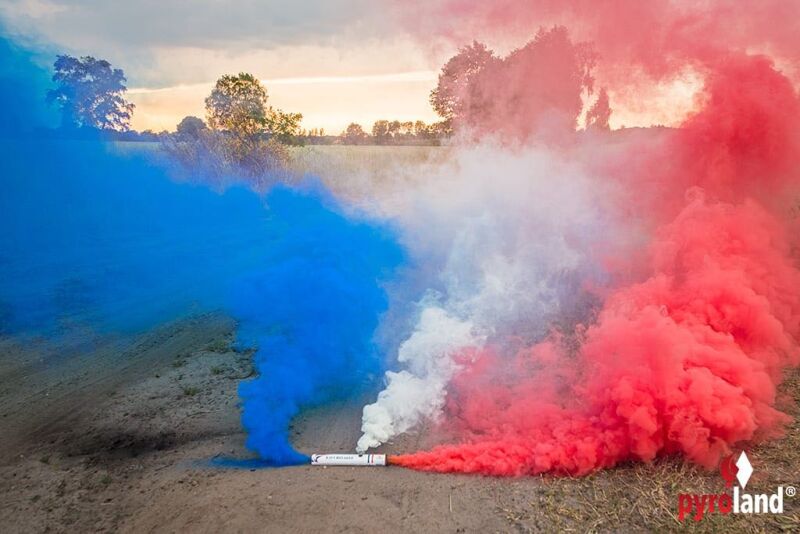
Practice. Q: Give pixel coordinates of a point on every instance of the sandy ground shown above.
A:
(118, 435)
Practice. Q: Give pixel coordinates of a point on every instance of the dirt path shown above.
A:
(118, 436)
(48, 390)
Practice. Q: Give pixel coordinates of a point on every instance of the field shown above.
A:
(353, 171)
(129, 447)
(107, 433)
(373, 160)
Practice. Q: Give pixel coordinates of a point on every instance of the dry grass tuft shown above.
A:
(644, 497)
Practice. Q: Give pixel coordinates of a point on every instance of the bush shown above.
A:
(220, 157)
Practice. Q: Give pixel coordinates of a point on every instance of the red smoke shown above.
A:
(686, 360)
(641, 45)
(660, 36)
(534, 91)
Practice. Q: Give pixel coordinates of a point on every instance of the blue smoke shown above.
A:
(94, 239)
(312, 312)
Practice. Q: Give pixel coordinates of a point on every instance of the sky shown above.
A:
(334, 61)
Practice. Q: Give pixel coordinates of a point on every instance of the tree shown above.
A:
(451, 94)
(406, 129)
(354, 134)
(380, 131)
(284, 127)
(599, 114)
(537, 89)
(441, 129)
(394, 128)
(238, 105)
(237, 145)
(421, 130)
(191, 126)
(90, 94)
(540, 86)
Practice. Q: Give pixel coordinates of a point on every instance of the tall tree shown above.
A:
(238, 104)
(406, 129)
(237, 144)
(452, 93)
(380, 131)
(191, 126)
(421, 130)
(394, 128)
(537, 89)
(354, 134)
(90, 93)
(284, 127)
(600, 113)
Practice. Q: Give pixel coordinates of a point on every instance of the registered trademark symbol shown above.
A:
(790, 491)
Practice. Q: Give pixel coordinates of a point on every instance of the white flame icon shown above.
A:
(745, 469)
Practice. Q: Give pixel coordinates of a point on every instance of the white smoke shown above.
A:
(419, 390)
(510, 230)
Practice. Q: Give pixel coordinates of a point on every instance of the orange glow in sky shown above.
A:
(333, 102)
(329, 102)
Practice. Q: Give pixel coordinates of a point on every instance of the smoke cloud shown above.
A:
(511, 239)
(693, 335)
(583, 298)
(660, 37)
(683, 280)
(95, 240)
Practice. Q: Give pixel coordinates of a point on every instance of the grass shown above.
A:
(349, 171)
(635, 497)
(190, 391)
(358, 159)
(352, 171)
(217, 370)
(331, 160)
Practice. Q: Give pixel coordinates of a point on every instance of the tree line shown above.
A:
(385, 132)
(90, 93)
(539, 89)
(542, 86)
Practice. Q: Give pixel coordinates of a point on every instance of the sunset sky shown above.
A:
(334, 61)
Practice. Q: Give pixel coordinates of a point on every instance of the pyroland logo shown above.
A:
(739, 502)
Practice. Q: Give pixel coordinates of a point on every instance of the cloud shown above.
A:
(200, 23)
(169, 42)
(334, 60)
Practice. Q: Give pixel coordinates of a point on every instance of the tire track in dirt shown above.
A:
(48, 391)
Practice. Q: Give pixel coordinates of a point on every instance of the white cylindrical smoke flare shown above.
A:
(348, 459)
